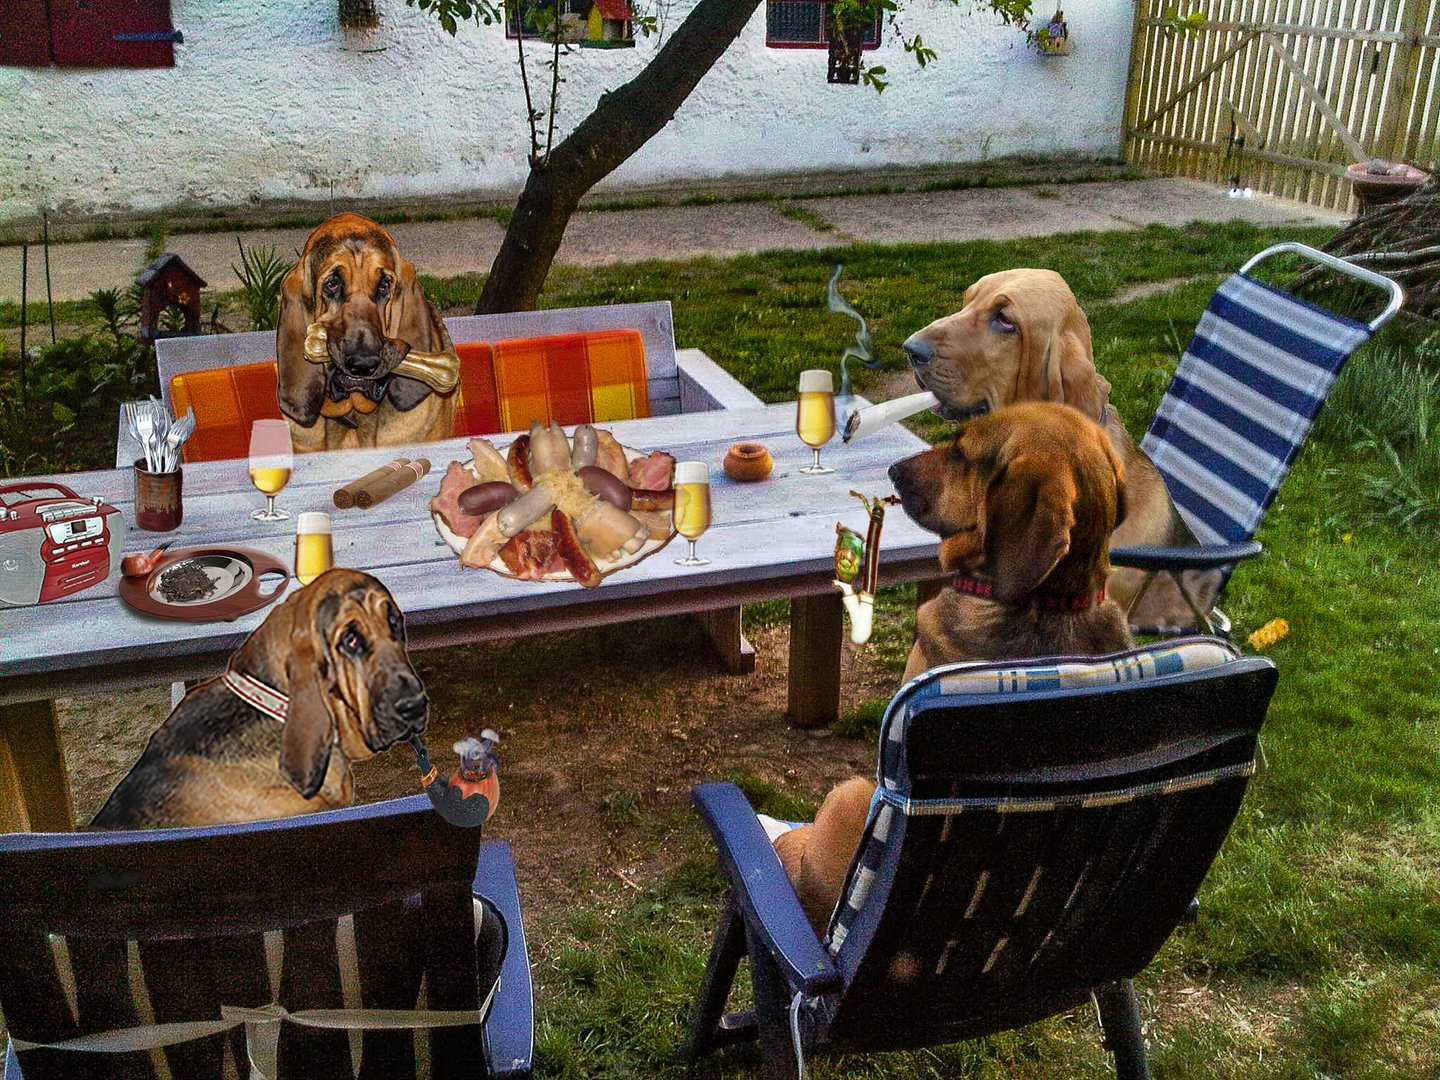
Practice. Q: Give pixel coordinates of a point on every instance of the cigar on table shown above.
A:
(399, 480)
(344, 497)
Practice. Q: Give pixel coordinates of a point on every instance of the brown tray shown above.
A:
(236, 570)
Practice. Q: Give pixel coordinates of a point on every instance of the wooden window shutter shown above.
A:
(112, 33)
(24, 33)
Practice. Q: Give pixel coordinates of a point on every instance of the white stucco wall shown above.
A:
(270, 100)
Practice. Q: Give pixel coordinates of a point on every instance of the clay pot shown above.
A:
(747, 461)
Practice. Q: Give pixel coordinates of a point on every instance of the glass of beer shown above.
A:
(314, 551)
(815, 415)
(271, 460)
(692, 506)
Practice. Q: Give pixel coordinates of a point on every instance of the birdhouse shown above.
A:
(168, 282)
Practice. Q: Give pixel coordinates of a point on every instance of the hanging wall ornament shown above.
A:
(845, 48)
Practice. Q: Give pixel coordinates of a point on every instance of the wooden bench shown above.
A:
(677, 381)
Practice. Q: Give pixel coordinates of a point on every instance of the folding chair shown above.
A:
(1236, 414)
(1038, 831)
(297, 947)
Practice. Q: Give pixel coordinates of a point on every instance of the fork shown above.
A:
(144, 428)
(175, 438)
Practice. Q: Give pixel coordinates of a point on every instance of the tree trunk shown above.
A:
(621, 123)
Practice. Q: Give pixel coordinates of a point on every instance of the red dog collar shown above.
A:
(1040, 601)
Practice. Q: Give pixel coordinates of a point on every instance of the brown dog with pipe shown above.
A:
(364, 358)
(1024, 500)
(331, 662)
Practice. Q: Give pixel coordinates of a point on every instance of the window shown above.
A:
(87, 33)
(587, 23)
(801, 24)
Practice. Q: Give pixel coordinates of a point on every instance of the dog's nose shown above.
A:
(363, 363)
(412, 709)
(919, 351)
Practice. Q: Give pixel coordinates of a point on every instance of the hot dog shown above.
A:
(582, 568)
(527, 508)
(518, 462)
(646, 499)
(482, 498)
(587, 446)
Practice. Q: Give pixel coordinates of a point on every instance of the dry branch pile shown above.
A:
(1402, 241)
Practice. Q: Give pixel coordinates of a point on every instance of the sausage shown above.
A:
(586, 448)
(647, 499)
(491, 495)
(582, 568)
(527, 508)
(518, 460)
(604, 483)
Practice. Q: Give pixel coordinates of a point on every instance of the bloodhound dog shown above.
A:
(1024, 500)
(354, 327)
(1021, 336)
(336, 650)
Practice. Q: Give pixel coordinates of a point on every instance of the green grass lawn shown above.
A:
(1317, 953)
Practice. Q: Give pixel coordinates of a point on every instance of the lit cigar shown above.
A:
(389, 484)
(344, 497)
(873, 417)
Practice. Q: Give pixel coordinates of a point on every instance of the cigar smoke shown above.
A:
(864, 347)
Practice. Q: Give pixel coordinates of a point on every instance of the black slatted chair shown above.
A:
(193, 943)
(1038, 832)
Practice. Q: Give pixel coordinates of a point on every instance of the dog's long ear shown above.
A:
(1056, 352)
(411, 318)
(1029, 512)
(310, 723)
(302, 384)
(1081, 386)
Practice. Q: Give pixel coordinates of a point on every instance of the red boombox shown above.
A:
(54, 543)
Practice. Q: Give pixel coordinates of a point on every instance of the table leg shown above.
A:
(816, 628)
(723, 626)
(34, 786)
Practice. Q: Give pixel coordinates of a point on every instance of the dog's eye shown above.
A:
(397, 624)
(999, 322)
(382, 290)
(353, 643)
(333, 287)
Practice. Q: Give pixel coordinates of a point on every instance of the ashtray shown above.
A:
(175, 588)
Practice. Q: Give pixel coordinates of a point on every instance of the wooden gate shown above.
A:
(1282, 95)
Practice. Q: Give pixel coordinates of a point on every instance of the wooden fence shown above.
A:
(1281, 95)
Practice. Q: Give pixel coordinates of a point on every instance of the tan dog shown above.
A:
(1021, 336)
(336, 649)
(352, 284)
(1024, 500)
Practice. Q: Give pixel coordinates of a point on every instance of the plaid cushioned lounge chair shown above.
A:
(195, 944)
(1038, 831)
(1237, 412)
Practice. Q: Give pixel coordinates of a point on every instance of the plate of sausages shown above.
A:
(556, 507)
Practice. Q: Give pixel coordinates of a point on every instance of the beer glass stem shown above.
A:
(691, 556)
(817, 459)
(270, 505)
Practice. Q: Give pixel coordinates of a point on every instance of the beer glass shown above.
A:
(271, 460)
(692, 506)
(314, 551)
(815, 415)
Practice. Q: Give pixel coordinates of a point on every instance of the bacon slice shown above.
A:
(447, 502)
(582, 568)
(653, 473)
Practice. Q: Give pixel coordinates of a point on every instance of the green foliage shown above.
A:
(260, 272)
(451, 13)
(154, 241)
(1176, 23)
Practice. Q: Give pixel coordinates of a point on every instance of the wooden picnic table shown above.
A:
(769, 540)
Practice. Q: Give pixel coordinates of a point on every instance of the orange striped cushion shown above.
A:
(226, 402)
(571, 379)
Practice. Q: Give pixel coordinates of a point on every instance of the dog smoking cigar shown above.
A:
(344, 497)
(873, 417)
(389, 484)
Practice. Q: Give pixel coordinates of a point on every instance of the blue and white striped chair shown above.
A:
(1237, 412)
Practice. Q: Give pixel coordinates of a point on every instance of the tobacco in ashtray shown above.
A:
(186, 581)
